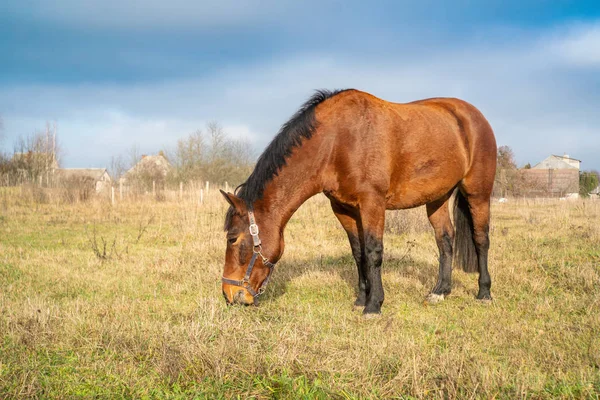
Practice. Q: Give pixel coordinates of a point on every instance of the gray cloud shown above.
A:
(536, 94)
(132, 14)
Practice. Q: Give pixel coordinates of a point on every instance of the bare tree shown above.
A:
(506, 158)
(506, 172)
(35, 155)
(117, 167)
(1, 129)
(134, 155)
(211, 155)
(189, 156)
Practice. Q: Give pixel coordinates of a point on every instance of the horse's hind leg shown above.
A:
(480, 212)
(439, 217)
(348, 218)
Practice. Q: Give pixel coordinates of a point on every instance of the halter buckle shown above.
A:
(253, 229)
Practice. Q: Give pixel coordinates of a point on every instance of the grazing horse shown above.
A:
(367, 155)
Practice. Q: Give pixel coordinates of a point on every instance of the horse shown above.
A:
(367, 155)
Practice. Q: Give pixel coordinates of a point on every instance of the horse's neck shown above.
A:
(295, 183)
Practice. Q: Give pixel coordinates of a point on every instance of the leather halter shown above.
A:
(256, 252)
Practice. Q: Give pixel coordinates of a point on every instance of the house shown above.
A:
(154, 167)
(98, 178)
(555, 176)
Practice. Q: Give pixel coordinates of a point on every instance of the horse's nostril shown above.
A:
(239, 297)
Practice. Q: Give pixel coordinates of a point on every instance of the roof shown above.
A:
(94, 173)
(555, 162)
(567, 157)
(157, 161)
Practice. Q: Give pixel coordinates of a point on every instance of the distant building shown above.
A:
(155, 167)
(555, 176)
(98, 178)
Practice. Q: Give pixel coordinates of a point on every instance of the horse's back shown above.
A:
(413, 152)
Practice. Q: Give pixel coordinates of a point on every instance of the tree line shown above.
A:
(208, 154)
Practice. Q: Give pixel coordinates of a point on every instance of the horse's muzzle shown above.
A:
(238, 298)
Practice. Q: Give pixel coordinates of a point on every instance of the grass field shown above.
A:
(125, 302)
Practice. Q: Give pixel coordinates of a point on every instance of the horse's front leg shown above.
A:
(372, 220)
(349, 217)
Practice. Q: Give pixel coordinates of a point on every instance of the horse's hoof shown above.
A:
(433, 298)
(486, 301)
(372, 315)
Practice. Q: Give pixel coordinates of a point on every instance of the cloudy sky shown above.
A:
(119, 73)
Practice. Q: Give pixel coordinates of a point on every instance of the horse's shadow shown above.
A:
(406, 267)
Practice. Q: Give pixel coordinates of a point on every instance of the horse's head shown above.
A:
(249, 259)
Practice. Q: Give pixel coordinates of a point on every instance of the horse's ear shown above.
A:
(234, 201)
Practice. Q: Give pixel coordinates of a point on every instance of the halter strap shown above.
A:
(256, 251)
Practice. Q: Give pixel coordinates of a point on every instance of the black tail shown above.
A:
(465, 254)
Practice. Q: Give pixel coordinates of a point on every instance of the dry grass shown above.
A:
(148, 318)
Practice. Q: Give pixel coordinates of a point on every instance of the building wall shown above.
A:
(103, 183)
(551, 182)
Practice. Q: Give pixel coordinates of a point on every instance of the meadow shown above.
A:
(125, 301)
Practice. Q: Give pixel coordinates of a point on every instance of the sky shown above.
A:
(115, 74)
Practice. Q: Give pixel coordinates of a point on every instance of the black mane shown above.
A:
(300, 126)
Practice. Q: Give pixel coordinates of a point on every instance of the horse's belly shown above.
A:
(416, 190)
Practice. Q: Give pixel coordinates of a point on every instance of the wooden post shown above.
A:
(112, 195)
(207, 186)
(226, 186)
(154, 189)
(120, 190)
(180, 191)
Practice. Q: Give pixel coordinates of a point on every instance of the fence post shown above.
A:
(201, 196)
(120, 190)
(154, 189)
(207, 186)
(112, 195)
(226, 186)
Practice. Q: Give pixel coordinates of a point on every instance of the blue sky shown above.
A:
(118, 73)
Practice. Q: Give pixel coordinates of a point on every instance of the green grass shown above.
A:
(148, 320)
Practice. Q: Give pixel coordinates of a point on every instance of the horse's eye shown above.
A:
(232, 240)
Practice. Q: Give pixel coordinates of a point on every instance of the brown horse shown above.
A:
(367, 155)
